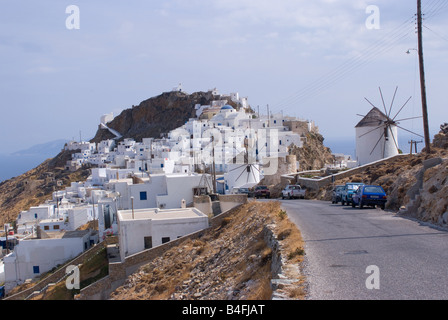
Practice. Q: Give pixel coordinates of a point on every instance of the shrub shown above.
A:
(282, 214)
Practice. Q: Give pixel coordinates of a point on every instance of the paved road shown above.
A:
(342, 242)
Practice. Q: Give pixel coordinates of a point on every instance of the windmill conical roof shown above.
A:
(374, 118)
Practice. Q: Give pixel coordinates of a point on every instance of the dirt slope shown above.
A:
(230, 262)
(36, 186)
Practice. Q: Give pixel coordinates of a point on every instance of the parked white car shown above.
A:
(293, 191)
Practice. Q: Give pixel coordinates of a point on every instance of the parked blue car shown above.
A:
(369, 196)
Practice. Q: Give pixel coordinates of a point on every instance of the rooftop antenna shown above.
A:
(269, 117)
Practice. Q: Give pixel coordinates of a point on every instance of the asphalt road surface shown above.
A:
(369, 254)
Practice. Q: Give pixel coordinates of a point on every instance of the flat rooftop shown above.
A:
(63, 234)
(160, 214)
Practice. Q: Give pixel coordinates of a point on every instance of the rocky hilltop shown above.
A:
(156, 116)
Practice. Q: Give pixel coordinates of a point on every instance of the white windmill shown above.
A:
(244, 171)
(377, 133)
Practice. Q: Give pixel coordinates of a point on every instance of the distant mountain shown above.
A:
(48, 149)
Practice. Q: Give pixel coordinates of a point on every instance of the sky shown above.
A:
(316, 60)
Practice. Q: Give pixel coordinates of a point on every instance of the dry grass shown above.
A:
(293, 248)
(233, 255)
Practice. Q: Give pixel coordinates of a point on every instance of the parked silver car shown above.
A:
(337, 194)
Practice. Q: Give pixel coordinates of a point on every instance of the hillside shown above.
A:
(156, 116)
(233, 261)
(153, 117)
(313, 155)
(36, 186)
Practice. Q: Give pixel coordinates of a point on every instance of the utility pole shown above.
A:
(213, 165)
(422, 75)
(414, 145)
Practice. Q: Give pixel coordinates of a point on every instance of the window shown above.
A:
(35, 216)
(143, 196)
(36, 270)
(46, 228)
(56, 227)
(148, 242)
(165, 239)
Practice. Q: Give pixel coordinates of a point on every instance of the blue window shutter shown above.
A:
(36, 270)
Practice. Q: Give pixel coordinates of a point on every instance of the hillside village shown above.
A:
(156, 190)
(152, 191)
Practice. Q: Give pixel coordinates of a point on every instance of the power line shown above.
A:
(437, 34)
(380, 46)
(437, 8)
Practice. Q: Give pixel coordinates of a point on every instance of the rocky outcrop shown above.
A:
(441, 139)
(155, 116)
(430, 193)
(313, 155)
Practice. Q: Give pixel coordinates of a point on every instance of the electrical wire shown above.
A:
(437, 34)
(435, 9)
(381, 46)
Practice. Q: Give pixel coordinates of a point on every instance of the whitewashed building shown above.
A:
(157, 191)
(34, 214)
(33, 257)
(147, 228)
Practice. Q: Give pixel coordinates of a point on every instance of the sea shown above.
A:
(344, 146)
(17, 163)
(12, 165)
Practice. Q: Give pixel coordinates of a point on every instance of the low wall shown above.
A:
(316, 184)
(204, 204)
(228, 202)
